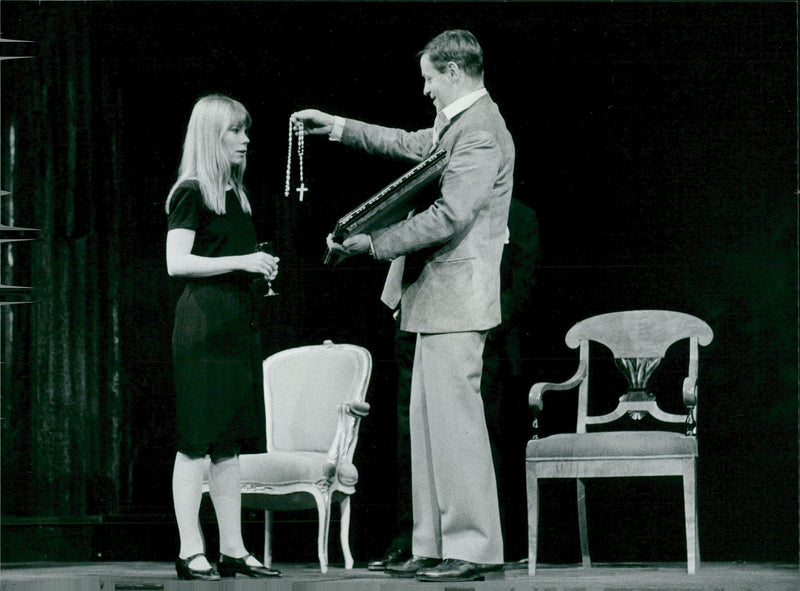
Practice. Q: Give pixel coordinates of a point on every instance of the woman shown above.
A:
(216, 348)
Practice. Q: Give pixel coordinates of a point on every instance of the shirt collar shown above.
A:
(462, 104)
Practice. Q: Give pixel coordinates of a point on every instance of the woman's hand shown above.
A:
(314, 122)
(260, 263)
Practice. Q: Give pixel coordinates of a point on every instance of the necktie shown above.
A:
(393, 287)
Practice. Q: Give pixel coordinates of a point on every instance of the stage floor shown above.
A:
(160, 576)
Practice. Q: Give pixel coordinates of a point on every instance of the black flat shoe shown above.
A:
(393, 555)
(230, 567)
(410, 567)
(188, 574)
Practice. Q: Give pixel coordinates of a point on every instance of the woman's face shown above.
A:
(234, 143)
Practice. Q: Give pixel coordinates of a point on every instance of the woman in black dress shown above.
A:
(211, 242)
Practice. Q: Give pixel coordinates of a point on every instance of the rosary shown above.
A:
(301, 149)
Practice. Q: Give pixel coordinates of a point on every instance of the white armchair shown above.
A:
(314, 402)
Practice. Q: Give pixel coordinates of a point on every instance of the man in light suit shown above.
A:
(450, 305)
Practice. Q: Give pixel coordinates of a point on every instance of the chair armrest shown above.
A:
(690, 392)
(537, 390)
(690, 403)
(344, 437)
(358, 409)
(335, 449)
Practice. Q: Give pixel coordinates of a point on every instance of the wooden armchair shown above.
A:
(638, 340)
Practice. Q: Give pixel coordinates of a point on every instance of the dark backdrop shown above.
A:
(656, 143)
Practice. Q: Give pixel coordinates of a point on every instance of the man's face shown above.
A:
(439, 86)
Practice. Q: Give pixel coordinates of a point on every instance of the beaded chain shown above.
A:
(286, 187)
(301, 150)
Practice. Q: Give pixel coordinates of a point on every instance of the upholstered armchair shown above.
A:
(599, 448)
(314, 402)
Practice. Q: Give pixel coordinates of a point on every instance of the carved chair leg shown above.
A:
(690, 511)
(533, 517)
(344, 531)
(324, 514)
(582, 525)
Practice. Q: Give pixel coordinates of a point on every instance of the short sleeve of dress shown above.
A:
(185, 208)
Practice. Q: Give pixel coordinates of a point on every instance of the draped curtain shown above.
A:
(87, 397)
(63, 435)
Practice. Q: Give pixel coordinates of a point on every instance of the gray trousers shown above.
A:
(454, 491)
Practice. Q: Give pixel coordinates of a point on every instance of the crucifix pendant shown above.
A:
(302, 190)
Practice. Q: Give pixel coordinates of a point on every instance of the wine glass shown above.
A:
(267, 247)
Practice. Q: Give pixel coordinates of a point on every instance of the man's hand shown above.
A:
(356, 244)
(314, 122)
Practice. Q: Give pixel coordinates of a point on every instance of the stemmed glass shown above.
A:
(267, 247)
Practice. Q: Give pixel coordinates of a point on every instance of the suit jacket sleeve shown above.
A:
(466, 184)
(395, 143)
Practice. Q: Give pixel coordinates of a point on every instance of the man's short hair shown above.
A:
(457, 46)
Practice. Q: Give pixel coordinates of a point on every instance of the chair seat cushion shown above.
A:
(281, 468)
(616, 444)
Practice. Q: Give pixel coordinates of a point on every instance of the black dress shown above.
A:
(216, 347)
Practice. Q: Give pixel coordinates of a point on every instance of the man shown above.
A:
(505, 376)
(450, 305)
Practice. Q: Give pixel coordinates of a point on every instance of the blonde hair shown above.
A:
(203, 158)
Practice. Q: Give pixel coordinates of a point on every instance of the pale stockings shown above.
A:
(225, 492)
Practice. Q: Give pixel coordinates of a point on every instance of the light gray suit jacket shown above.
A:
(463, 231)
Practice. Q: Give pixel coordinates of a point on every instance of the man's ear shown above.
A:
(453, 71)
